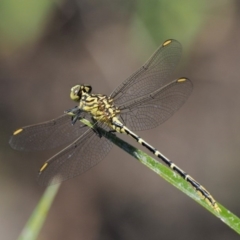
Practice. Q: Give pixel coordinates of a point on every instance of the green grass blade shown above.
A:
(173, 178)
(35, 222)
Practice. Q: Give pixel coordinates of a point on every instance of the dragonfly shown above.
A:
(143, 101)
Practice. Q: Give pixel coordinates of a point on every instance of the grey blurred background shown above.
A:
(48, 46)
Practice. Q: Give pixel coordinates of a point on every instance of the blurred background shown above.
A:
(48, 46)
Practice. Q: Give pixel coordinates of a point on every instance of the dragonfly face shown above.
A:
(78, 90)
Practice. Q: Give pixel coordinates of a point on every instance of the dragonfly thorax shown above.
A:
(100, 106)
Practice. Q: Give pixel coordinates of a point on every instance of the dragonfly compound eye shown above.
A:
(76, 93)
(86, 88)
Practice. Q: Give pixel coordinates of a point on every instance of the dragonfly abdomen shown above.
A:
(203, 193)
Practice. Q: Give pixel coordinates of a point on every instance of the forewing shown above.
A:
(153, 75)
(149, 111)
(47, 135)
(75, 159)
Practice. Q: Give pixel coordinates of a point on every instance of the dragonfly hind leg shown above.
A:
(95, 128)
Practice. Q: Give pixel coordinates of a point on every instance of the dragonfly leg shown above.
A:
(75, 113)
(72, 111)
(95, 128)
(76, 117)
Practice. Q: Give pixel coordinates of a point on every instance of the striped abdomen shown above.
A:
(198, 187)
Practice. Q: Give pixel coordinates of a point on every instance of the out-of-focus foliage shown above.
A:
(163, 17)
(21, 22)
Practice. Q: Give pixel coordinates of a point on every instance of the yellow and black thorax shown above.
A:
(101, 107)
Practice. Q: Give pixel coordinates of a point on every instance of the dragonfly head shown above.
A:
(78, 90)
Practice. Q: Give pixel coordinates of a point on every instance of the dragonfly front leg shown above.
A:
(72, 111)
(75, 113)
(76, 117)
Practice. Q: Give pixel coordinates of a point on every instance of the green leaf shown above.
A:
(173, 178)
(22, 22)
(39, 215)
(35, 222)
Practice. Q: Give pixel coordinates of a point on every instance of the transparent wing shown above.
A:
(153, 75)
(149, 111)
(84, 153)
(47, 135)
